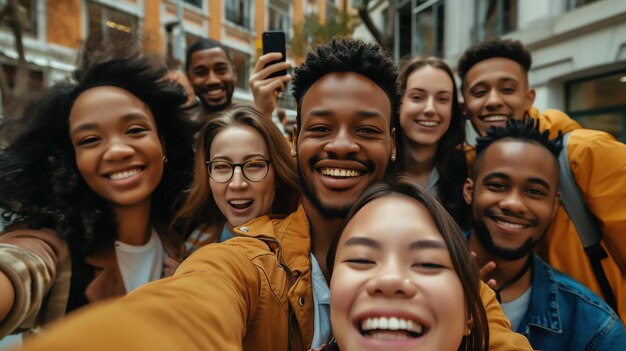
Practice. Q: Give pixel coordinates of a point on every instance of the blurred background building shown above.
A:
(578, 46)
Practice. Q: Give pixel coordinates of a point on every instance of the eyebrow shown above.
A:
(539, 181)
(501, 79)
(246, 158)
(126, 118)
(361, 113)
(416, 245)
(424, 90)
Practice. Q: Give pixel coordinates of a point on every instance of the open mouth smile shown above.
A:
(390, 328)
(340, 172)
(124, 174)
(495, 118)
(428, 123)
(241, 204)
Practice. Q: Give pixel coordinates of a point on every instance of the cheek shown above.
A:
(343, 291)
(218, 192)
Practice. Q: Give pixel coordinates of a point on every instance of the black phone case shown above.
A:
(274, 41)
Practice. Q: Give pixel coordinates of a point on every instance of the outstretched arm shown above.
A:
(204, 306)
(501, 337)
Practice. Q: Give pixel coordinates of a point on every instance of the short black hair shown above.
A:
(348, 55)
(518, 130)
(205, 44)
(491, 48)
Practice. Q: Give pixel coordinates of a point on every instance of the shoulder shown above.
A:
(554, 121)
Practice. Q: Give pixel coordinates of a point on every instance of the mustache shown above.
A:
(491, 214)
(210, 87)
(368, 164)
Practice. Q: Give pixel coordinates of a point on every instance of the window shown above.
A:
(27, 12)
(238, 12)
(278, 16)
(420, 28)
(107, 23)
(35, 76)
(495, 17)
(241, 60)
(574, 4)
(196, 3)
(599, 103)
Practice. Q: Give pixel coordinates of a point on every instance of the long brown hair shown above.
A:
(200, 209)
(464, 265)
(449, 158)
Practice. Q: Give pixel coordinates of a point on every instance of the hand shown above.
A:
(169, 266)
(485, 270)
(266, 90)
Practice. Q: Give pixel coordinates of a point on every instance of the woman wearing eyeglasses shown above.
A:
(242, 171)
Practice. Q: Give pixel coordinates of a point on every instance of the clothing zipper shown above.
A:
(268, 241)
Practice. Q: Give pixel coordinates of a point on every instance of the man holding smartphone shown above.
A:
(213, 76)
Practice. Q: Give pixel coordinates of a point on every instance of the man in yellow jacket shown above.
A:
(265, 288)
(495, 88)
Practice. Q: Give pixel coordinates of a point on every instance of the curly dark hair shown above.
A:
(348, 55)
(450, 157)
(39, 181)
(494, 47)
(526, 131)
(464, 265)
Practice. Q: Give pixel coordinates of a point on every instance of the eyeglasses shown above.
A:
(253, 170)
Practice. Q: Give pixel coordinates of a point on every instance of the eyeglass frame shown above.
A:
(241, 166)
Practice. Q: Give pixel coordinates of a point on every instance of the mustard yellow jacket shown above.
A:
(238, 295)
(598, 163)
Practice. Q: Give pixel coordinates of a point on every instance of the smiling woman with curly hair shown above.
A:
(91, 181)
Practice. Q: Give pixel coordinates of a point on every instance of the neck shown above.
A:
(419, 160)
(505, 271)
(133, 223)
(322, 231)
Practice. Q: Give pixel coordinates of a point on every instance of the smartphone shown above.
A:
(274, 41)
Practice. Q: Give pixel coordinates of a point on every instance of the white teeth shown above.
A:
(511, 225)
(124, 174)
(498, 118)
(392, 323)
(240, 202)
(428, 123)
(340, 172)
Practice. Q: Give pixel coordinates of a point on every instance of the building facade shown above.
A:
(578, 47)
(54, 30)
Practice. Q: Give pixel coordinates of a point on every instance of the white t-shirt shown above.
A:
(140, 264)
(516, 309)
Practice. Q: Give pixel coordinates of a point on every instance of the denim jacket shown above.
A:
(565, 315)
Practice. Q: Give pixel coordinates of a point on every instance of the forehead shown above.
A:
(209, 57)
(102, 103)
(346, 93)
(428, 77)
(379, 219)
(518, 159)
(238, 141)
(494, 69)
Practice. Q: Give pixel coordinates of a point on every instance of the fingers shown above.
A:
(169, 266)
(485, 271)
(267, 58)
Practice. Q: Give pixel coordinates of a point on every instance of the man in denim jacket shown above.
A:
(514, 196)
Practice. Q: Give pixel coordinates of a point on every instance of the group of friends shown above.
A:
(376, 227)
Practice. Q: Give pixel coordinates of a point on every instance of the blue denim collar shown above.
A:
(543, 310)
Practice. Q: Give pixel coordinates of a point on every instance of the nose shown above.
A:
(118, 150)
(212, 78)
(513, 202)
(494, 100)
(342, 144)
(429, 109)
(391, 281)
(238, 181)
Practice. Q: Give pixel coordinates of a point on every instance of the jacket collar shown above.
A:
(291, 232)
(543, 310)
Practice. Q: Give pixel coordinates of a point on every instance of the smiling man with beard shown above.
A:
(267, 288)
(514, 197)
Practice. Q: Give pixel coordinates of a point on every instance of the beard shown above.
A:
(213, 107)
(505, 253)
(324, 210)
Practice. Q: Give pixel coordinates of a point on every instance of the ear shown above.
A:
(294, 141)
(555, 205)
(468, 327)
(393, 144)
(468, 190)
(530, 98)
